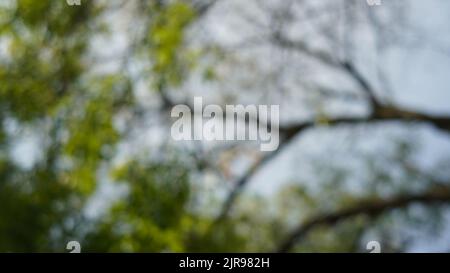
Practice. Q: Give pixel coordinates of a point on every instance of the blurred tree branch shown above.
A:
(379, 112)
(287, 133)
(371, 208)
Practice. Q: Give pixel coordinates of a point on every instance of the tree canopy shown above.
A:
(85, 98)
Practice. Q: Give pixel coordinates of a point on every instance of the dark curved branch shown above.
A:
(233, 194)
(371, 208)
(324, 57)
(287, 133)
(379, 113)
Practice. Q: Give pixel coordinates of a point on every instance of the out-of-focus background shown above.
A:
(86, 153)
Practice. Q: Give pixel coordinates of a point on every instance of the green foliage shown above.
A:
(45, 42)
(153, 216)
(166, 36)
(159, 193)
(43, 81)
